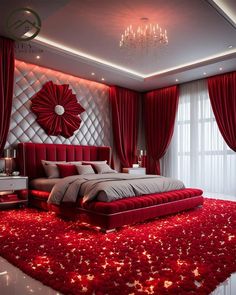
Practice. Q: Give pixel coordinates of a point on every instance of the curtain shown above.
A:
(160, 107)
(7, 64)
(198, 154)
(125, 111)
(222, 92)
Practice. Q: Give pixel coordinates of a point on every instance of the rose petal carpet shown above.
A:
(188, 253)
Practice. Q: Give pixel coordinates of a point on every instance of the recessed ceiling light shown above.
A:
(230, 46)
(92, 74)
(103, 79)
(204, 73)
(38, 57)
(220, 69)
(176, 80)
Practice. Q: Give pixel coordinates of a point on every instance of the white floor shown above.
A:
(219, 196)
(14, 282)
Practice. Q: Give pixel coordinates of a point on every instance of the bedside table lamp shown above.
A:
(9, 154)
(141, 158)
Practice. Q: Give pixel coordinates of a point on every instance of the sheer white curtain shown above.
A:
(198, 154)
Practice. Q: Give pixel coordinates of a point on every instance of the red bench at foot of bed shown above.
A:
(126, 211)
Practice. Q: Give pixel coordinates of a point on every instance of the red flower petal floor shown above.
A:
(188, 253)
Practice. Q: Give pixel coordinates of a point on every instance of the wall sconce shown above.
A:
(9, 154)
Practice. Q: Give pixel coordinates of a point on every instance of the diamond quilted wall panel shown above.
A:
(95, 128)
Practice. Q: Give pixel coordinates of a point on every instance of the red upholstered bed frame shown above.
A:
(105, 215)
(29, 155)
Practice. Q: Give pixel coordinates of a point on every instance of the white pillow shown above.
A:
(103, 168)
(85, 169)
(94, 162)
(51, 169)
(75, 163)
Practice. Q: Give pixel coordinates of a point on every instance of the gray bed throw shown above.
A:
(109, 187)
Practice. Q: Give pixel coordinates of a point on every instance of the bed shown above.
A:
(106, 215)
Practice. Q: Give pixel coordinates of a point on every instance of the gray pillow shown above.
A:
(74, 162)
(51, 169)
(103, 168)
(85, 169)
(94, 162)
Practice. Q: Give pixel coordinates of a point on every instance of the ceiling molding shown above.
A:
(223, 10)
(95, 61)
(86, 58)
(195, 64)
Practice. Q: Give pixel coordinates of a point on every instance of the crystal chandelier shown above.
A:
(145, 36)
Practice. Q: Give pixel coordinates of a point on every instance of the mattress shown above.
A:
(43, 184)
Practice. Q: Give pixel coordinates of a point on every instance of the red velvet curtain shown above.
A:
(160, 107)
(125, 111)
(7, 64)
(222, 92)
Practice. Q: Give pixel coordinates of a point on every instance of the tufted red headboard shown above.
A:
(29, 155)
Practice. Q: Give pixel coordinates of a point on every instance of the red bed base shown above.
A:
(105, 215)
(118, 213)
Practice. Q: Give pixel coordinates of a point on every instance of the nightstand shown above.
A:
(17, 195)
(137, 171)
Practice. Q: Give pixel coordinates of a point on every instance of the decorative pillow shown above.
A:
(67, 170)
(94, 162)
(46, 162)
(75, 162)
(103, 168)
(51, 169)
(85, 169)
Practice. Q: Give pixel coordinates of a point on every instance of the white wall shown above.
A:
(95, 128)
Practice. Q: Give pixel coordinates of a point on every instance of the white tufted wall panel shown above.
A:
(95, 128)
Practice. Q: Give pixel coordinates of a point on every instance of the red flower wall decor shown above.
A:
(57, 109)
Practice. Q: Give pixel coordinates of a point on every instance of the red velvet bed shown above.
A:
(105, 215)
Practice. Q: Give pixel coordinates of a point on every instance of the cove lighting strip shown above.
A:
(83, 55)
(71, 51)
(226, 8)
(196, 62)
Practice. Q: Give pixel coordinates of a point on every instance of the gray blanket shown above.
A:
(110, 187)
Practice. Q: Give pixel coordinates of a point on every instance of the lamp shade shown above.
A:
(9, 153)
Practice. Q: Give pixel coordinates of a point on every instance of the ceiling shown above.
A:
(81, 37)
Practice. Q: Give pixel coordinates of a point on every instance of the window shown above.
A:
(198, 154)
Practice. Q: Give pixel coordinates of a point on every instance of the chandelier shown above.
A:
(145, 36)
